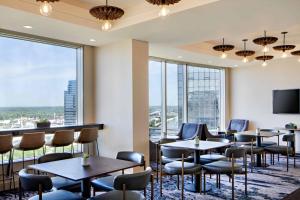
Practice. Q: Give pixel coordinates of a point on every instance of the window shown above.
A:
(39, 80)
(204, 96)
(181, 93)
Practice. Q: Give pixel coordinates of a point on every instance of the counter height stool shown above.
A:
(88, 136)
(30, 142)
(5, 147)
(61, 138)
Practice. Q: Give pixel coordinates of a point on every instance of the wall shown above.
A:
(121, 92)
(251, 92)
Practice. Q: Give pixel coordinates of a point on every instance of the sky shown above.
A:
(34, 74)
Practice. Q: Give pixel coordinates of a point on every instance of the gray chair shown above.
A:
(126, 187)
(230, 168)
(58, 182)
(286, 150)
(238, 125)
(268, 143)
(247, 142)
(179, 168)
(40, 184)
(212, 157)
(188, 131)
(107, 183)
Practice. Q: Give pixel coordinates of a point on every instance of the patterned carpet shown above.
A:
(272, 183)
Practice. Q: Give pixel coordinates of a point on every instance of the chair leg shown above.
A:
(160, 171)
(232, 186)
(287, 162)
(63, 148)
(295, 160)
(97, 146)
(23, 161)
(200, 181)
(178, 182)
(3, 175)
(246, 182)
(20, 190)
(33, 156)
(204, 183)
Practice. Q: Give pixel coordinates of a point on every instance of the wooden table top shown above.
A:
(203, 145)
(72, 168)
(262, 133)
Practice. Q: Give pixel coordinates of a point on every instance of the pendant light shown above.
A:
(107, 14)
(164, 4)
(265, 41)
(284, 47)
(264, 58)
(223, 48)
(296, 53)
(245, 53)
(46, 7)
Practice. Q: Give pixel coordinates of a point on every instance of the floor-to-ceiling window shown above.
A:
(39, 80)
(179, 92)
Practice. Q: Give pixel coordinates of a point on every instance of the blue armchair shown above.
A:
(238, 125)
(189, 131)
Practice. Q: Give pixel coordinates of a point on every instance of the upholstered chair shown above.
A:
(88, 136)
(61, 138)
(188, 131)
(238, 125)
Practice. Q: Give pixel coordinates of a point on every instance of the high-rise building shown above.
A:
(70, 103)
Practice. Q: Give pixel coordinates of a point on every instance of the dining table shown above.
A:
(259, 135)
(74, 170)
(202, 147)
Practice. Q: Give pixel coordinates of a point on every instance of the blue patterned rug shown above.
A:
(272, 183)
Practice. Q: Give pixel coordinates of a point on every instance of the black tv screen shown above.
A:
(286, 101)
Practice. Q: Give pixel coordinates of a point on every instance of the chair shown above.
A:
(126, 185)
(107, 183)
(5, 147)
(268, 143)
(61, 139)
(247, 143)
(177, 167)
(230, 168)
(284, 150)
(58, 182)
(205, 134)
(40, 184)
(208, 158)
(88, 136)
(238, 125)
(188, 131)
(30, 142)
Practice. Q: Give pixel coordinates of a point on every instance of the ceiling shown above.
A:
(187, 34)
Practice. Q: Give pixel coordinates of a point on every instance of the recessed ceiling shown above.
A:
(189, 31)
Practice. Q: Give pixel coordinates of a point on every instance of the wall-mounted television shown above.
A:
(286, 101)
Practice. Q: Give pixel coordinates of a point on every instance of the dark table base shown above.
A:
(192, 188)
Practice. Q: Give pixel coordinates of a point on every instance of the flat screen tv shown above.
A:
(286, 101)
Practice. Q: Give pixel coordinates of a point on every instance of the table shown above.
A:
(262, 134)
(203, 146)
(73, 170)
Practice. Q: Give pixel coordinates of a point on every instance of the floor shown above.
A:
(272, 183)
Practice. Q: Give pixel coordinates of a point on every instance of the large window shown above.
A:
(181, 93)
(39, 80)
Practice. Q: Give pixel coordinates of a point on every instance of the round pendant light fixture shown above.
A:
(264, 58)
(164, 4)
(296, 53)
(245, 53)
(284, 47)
(46, 8)
(265, 41)
(223, 48)
(107, 14)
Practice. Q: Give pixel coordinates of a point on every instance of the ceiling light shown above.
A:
(264, 63)
(92, 40)
(179, 57)
(46, 8)
(164, 4)
(107, 14)
(245, 52)
(264, 41)
(296, 53)
(223, 48)
(264, 58)
(299, 60)
(284, 47)
(28, 27)
(235, 65)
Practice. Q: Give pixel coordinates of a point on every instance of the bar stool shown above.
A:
(5, 147)
(30, 142)
(61, 139)
(88, 136)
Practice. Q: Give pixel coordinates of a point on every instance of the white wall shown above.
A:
(251, 93)
(121, 88)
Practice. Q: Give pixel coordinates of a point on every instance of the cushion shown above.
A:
(255, 150)
(175, 168)
(208, 158)
(223, 167)
(279, 149)
(267, 143)
(104, 183)
(118, 195)
(166, 160)
(58, 195)
(66, 184)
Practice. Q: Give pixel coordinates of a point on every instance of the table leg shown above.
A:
(86, 188)
(258, 156)
(195, 186)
